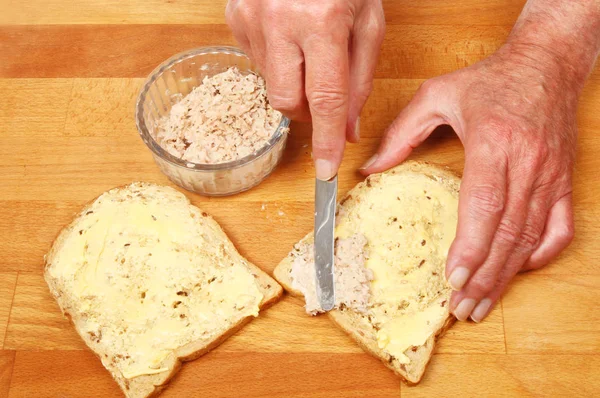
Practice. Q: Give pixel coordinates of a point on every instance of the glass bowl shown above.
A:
(165, 86)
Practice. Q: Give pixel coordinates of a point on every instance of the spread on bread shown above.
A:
(406, 223)
(142, 273)
(351, 276)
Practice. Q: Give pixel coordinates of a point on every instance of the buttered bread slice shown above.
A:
(393, 233)
(149, 280)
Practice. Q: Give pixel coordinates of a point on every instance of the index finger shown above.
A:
(326, 82)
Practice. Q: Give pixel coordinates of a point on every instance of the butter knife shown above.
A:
(325, 203)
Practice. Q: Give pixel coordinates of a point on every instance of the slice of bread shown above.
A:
(149, 280)
(408, 216)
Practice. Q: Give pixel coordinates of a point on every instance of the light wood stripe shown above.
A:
(36, 324)
(553, 314)
(509, 376)
(70, 72)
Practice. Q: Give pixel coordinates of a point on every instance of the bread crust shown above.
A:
(152, 385)
(348, 321)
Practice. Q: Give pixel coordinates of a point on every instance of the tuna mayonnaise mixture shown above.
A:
(351, 277)
(224, 119)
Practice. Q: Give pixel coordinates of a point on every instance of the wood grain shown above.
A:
(304, 375)
(408, 51)
(509, 376)
(87, 116)
(455, 13)
(68, 373)
(40, 12)
(99, 51)
(36, 321)
(553, 314)
(37, 324)
(60, 374)
(8, 281)
(428, 12)
(25, 110)
(6, 367)
(470, 338)
(69, 77)
(99, 128)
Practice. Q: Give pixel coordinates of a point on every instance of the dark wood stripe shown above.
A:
(218, 374)
(7, 359)
(65, 51)
(99, 50)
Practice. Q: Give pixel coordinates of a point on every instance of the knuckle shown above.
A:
(363, 90)
(325, 148)
(535, 157)
(505, 276)
(486, 199)
(229, 17)
(375, 27)
(331, 10)
(283, 102)
(566, 233)
(541, 151)
(532, 266)
(482, 282)
(325, 14)
(241, 9)
(380, 32)
(530, 238)
(473, 255)
(429, 88)
(508, 232)
(277, 10)
(233, 12)
(499, 130)
(328, 100)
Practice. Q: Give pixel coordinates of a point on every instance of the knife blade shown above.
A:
(325, 203)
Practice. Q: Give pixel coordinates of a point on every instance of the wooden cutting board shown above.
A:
(69, 74)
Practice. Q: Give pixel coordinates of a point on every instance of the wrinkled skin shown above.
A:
(318, 59)
(517, 124)
(514, 113)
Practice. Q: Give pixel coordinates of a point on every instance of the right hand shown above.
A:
(318, 58)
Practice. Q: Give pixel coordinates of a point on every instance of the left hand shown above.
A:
(515, 115)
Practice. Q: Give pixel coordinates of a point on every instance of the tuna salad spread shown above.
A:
(351, 277)
(224, 119)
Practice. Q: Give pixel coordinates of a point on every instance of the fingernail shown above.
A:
(324, 169)
(458, 278)
(481, 310)
(369, 162)
(464, 309)
(357, 129)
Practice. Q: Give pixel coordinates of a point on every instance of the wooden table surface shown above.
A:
(70, 71)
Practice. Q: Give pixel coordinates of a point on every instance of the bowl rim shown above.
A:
(157, 150)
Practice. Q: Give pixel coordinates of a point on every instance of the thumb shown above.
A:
(412, 126)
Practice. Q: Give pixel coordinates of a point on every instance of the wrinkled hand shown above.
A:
(318, 59)
(515, 115)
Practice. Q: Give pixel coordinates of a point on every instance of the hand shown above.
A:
(318, 58)
(515, 115)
